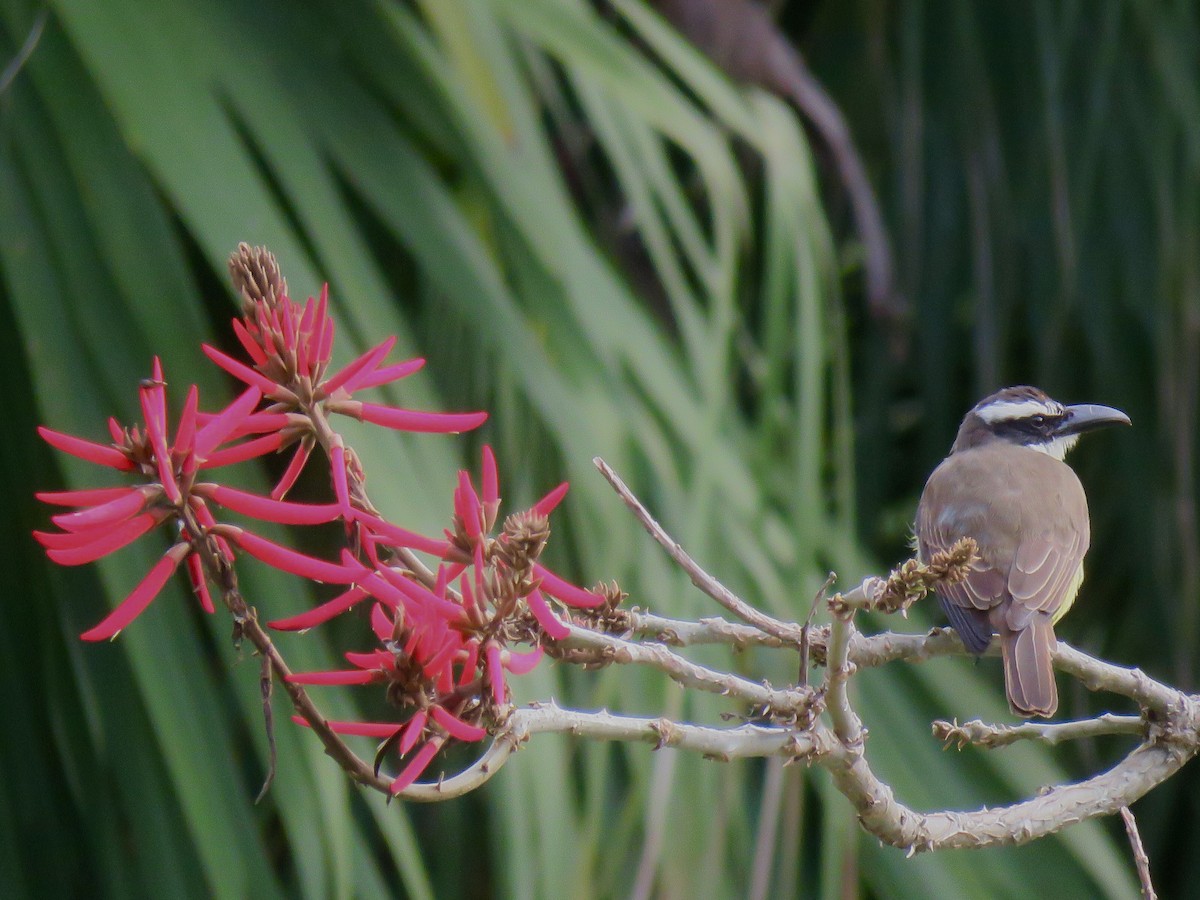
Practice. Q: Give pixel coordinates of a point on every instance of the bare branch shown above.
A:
(786, 631)
(1140, 860)
(982, 734)
(799, 702)
(715, 743)
(713, 630)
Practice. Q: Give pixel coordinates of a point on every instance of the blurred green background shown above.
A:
(618, 249)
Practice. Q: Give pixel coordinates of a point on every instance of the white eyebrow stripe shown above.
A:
(1007, 410)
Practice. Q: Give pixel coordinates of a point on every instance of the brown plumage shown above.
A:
(1005, 485)
(1031, 550)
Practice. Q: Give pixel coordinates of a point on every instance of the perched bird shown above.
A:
(1005, 485)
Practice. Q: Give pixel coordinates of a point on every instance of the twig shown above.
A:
(806, 630)
(982, 734)
(1140, 860)
(715, 743)
(838, 667)
(787, 632)
(265, 683)
(710, 630)
(798, 702)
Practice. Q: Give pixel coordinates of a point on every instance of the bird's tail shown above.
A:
(1029, 668)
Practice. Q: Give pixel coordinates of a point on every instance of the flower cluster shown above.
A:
(446, 643)
(444, 634)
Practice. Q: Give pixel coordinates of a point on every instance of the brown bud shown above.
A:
(524, 537)
(256, 276)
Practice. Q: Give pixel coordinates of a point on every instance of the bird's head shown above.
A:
(1027, 417)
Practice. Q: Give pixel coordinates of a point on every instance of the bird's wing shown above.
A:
(967, 602)
(1043, 574)
(984, 586)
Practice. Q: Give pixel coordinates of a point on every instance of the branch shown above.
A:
(712, 630)
(1140, 860)
(988, 736)
(722, 744)
(787, 632)
(795, 703)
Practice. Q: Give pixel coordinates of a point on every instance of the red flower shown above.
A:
(112, 518)
(289, 348)
(445, 656)
(430, 668)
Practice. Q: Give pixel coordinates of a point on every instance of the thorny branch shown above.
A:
(817, 726)
(836, 740)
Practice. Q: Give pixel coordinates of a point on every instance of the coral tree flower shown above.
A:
(445, 652)
(289, 347)
(108, 519)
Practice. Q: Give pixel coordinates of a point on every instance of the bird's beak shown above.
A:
(1089, 416)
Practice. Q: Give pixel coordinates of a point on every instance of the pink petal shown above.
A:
(479, 589)
(375, 585)
(379, 660)
(295, 467)
(388, 374)
(86, 497)
(288, 319)
(261, 423)
(549, 622)
(322, 613)
(521, 663)
(116, 431)
(251, 346)
(565, 591)
(413, 420)
(269, 510)
(383, 626)
(395, 536)
(320, 325)
(297, 563)
(370, 359)
(215, 432)
(205, 517)
(342, 676)
(469, 663)
(490, 487)
(239, 370)
(260, 446)
(473, 608)
(420, 762)
(456, 727)
(306, 318)
(129, 504)
(152, 399)
(199, 582)
(341, 490)
(325, 348)
(422, 595)
(111, 540)
(89, 450)
(133, 605)
(434, 666)
(466, 504)
(547, 504)
(412, 732)
(186, 433)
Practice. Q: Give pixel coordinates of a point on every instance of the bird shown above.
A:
(1005, 484)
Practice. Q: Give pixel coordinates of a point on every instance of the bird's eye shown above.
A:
(1038, 421)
